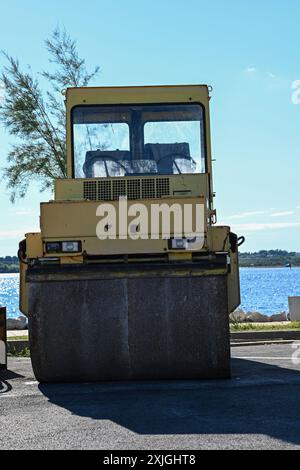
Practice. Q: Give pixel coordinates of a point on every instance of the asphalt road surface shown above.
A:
(259, 408)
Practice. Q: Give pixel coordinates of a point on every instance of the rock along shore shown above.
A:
(240, 316)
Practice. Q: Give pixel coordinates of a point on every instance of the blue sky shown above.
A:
(248, 51)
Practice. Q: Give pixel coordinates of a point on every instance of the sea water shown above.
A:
(264, 290)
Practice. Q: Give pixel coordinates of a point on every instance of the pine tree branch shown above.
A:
(37, 119)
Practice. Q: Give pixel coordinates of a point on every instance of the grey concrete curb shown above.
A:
(20, 345)
(260, 343)
(288, 335)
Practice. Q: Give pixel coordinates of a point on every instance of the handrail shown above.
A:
(3, 339)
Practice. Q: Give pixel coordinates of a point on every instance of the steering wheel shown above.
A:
(174, 156)
(105, 159)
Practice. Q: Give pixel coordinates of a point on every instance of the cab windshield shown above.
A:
(110, 141)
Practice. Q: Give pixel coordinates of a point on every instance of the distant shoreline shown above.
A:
(11, 271)
(241, 267)
(269, 266)
(260, 259)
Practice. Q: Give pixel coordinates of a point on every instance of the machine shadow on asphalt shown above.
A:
(9, 375)
(6, 375)
(257, 400)
(5, 386)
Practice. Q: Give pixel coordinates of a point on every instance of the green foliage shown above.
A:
(9, 264)
(18, 338)
(9, 260)
(269, 258)
(19, 353)
(264, 326)
(236, 326)
(36, 119)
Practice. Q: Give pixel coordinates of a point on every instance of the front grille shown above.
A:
(133, 189)
(118, 189)
(162, 187)
(103, 190)
(90, 190)
(137, 188)
(148, 189)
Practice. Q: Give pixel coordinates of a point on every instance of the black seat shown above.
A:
(164, 155)
(92, 156)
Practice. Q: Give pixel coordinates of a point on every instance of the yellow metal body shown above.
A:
(72, 214)
(60, 221)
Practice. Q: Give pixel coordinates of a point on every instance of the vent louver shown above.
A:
(138, 188)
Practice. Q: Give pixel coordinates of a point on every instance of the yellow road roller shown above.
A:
(129, 276)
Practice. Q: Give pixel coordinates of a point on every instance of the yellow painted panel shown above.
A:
(63, 219)
(34, 245)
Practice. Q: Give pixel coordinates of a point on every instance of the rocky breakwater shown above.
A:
(19, 323)
(240, 316)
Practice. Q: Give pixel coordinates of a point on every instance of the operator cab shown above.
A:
(112, 141)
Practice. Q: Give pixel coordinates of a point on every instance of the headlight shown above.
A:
(179, 243)
(191, 244)
(63, 247)
(53, 247)
(71, 247)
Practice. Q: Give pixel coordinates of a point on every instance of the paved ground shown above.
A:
(258, 409)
